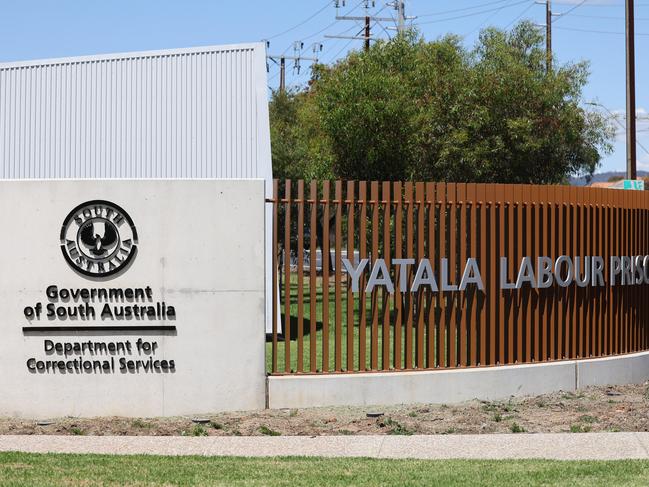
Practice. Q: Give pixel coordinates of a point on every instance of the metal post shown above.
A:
(401, 8)
(282, 74)
(548, 35)
(367, 33)
(630, 93)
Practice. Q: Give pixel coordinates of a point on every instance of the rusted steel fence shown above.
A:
(590, 243)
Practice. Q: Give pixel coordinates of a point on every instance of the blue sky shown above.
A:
(591, 30)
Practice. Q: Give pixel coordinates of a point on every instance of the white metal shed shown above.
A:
(182, 113)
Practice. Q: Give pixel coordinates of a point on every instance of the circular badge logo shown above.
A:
(98, 239)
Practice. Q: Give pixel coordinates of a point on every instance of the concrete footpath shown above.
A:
(561, 446)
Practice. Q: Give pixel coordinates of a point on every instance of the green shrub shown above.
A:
(516, 428)
(265, 430)
(577, 428)
(396, 428)
(197, 430)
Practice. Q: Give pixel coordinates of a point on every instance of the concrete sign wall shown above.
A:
(131, 298)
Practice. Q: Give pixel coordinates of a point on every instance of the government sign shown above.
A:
(124, 298)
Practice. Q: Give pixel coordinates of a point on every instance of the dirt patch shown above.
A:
(618, 408)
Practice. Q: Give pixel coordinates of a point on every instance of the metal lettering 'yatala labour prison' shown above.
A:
(564, 270)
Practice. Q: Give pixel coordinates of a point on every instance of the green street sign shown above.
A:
(633, 184)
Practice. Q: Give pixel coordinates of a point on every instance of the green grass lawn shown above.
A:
(319, 333)
(91, 470)
(332, 328)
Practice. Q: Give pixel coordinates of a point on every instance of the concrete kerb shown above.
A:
(557, 446)
(453, 385)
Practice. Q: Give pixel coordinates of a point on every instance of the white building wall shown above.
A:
(184, 113)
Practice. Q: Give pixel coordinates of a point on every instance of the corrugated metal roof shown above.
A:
(185, 113)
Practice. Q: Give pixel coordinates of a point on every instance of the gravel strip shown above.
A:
(560, 446)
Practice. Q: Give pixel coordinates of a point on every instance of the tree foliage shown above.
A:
(300, 147)
(414, 110)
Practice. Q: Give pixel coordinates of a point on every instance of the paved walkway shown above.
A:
(562, 446)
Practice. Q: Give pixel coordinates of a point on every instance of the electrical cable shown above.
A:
(519, 15)
(333, 23)
(607, 5)
(575, 29)
(472, 14)
(301, 23)
(444, 12)
(335, 56)
(363, 26)
(607, 17)
(487, 19)
(360, 2)
(387, 32)
(296, 79)
(378, 22)
(346, 31)
(567, 12)
(339, 52)
(613, 116)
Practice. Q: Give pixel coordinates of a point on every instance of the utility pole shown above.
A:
(548, 35)
(401, 15)
(400, 7)
(282, 74)
(630, 92)
(366, 19)
(368, 33)
(297, 58)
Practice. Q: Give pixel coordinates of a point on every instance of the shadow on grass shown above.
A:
(306, 324)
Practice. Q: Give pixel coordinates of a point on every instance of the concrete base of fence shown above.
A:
(452, 386)
(625, 369)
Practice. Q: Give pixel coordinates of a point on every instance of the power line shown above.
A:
(487, 19)
(607, 5)
(301, 23)
(346, 31)
(348, 43)
(575, 29)
(280, 59)
(366, 36)
(335, 56)
(607, 17)
(519, 15)
(335, 42)
(444, 12)
(567, 12)
(333, 23)
(387, 33)
(602, 4)
(472, 14)
(296, 58)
